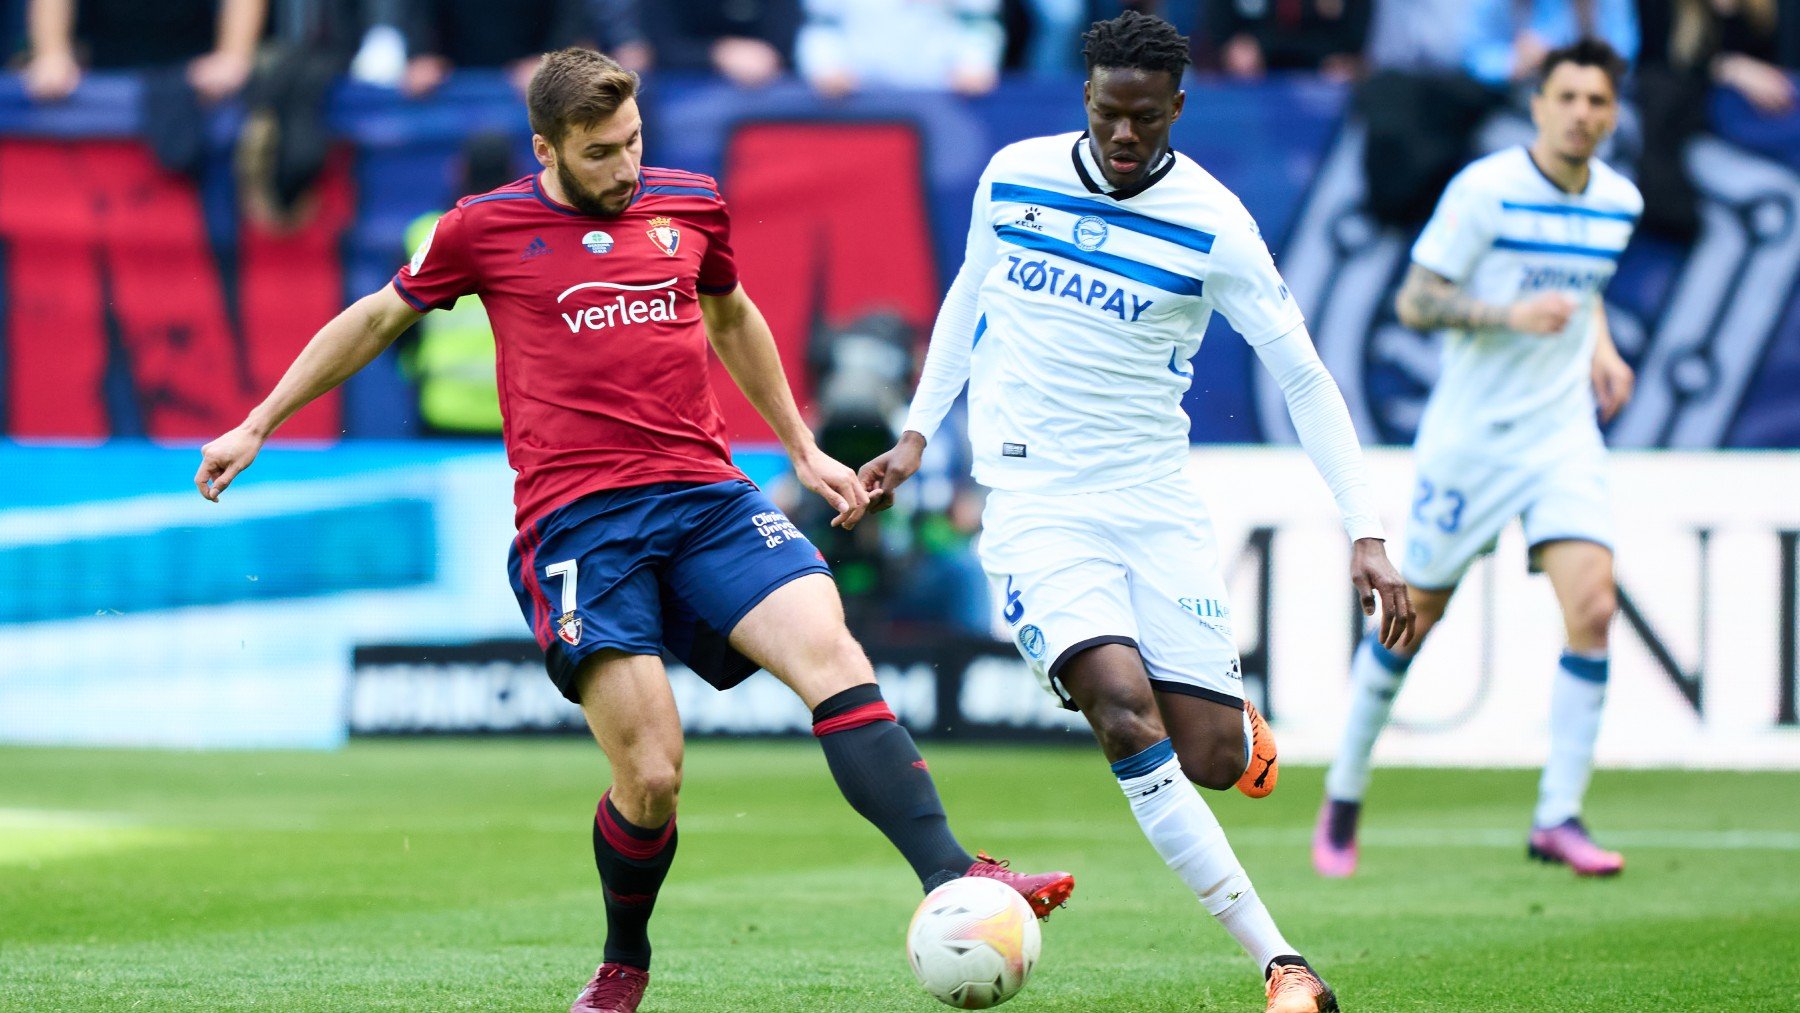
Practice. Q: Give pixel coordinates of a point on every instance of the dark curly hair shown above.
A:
(1585, 53)
(1137, 41)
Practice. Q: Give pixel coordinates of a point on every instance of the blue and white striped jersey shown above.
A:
(1505, 232)
(1082, 309)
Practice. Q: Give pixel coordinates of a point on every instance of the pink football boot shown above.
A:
(616, 988)
(1044, 891)
(1568, 843)
(1334, 839)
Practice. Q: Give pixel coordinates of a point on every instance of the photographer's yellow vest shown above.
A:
(454, 361)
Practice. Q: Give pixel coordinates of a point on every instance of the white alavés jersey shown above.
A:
(1504, 232)
(1079, 311)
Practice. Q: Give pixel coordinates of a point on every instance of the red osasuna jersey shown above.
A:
(602, 350)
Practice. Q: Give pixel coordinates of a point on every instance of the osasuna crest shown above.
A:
(569, 628)
(665, 235)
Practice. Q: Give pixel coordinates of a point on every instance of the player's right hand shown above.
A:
(885, 473)
(1546, 313)
(835, 483)
(222, 460)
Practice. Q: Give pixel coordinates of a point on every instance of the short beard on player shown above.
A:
(587, 201)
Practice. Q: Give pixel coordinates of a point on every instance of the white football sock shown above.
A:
(1375, 678)
(1575, 703)
(1188, 837)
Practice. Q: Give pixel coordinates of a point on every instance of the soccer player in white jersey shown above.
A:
(1094, 261)
(1511, 267)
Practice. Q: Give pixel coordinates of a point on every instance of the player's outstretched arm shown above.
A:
(1323, 423)
(1428, 301)
(746, 346)
(350, 341)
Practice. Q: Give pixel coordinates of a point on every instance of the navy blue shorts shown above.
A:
(667, 567)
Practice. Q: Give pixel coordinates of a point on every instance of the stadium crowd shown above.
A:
(1429, 70)
(1428, 74)
(842, 45)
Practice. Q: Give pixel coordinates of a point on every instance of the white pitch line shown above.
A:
(64, 819)
(1438, 837)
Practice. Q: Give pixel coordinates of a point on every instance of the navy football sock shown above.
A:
(632, 861)
(879, 770)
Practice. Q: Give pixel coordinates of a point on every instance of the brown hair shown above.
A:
(576, 87)
(1587, 52)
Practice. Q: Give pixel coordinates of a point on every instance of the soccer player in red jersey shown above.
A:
(605, 281)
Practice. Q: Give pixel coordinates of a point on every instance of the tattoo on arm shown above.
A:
(1429, 301)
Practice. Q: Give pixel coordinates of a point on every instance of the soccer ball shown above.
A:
(973, 942)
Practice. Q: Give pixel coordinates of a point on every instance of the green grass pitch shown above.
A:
(457, 875)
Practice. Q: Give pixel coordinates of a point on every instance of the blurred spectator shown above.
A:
(1509, 38)
(446, 34)
(846, 45)
(1690, 46)
(618, 29)
(214, 41)
(1419, 109)
(381, 58)
(1419, 36)
(748, 42)
(1734, 43)
(282, 146)
(1053, 41)
(1257, 36)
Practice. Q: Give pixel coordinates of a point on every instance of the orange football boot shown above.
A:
(1264, 769)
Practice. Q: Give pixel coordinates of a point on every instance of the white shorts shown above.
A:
(1137, 566)
(1463, 499)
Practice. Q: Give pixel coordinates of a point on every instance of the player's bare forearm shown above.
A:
(1603, 341)
(240, 26)
(347, 343)
(1428, 301)
(50, 25)
(746, 346)
(1613, 377)
(742, 338)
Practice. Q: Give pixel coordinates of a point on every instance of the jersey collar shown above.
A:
(1095, 181)
(1554, 185)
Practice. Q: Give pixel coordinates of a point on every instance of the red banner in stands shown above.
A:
(830, 222)
(109, 269)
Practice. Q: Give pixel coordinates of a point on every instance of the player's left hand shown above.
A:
(1613, 383)
(835, 482)
(1374, 578)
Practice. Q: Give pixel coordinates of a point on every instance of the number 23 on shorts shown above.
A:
(1442, 509)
